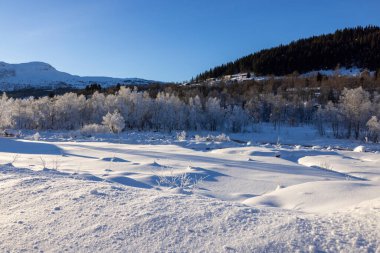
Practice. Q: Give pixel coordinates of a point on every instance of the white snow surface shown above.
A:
(72, 193)
(43, 75)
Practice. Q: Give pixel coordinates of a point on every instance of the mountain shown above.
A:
(43, 75)
(351, 47)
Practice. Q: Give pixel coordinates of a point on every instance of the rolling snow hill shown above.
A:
(43, 75)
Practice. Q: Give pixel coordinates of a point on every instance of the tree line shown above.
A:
(346, 107)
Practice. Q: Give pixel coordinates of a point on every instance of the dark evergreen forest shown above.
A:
(349, 47)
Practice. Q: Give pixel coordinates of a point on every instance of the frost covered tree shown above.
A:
(331, 115)
(6, 110)
(114, 121)
(196, 115)
(355, 105)
(277, 105)
(214, 114)
(373, 125)
(351, 116)
(169, 112)
(95, 108)
(254, 107)
(236, 119)
(68, 111)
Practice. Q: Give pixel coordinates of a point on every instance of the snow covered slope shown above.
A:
(40, 74)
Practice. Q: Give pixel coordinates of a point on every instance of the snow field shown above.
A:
(51, 212)
(148, 192)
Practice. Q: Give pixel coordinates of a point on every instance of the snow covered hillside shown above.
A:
(156, 192)
(43, 75)
(347, 72)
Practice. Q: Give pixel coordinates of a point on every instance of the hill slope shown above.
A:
(41, 75)
(354, 47)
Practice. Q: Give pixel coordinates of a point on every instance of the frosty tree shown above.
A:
(114, 121)
(355, 105)
(373, 129)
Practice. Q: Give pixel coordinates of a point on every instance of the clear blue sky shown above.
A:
(161, 39)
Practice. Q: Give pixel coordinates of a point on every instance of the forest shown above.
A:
(350, 47)
(341, 106)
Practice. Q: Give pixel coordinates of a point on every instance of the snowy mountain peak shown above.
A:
(43, 75)
(36, 65)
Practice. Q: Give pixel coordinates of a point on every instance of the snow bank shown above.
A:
(319, 197)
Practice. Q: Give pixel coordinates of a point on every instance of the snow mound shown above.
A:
(359, 149)
(318, 197)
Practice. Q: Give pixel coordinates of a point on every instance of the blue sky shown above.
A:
(161, 39)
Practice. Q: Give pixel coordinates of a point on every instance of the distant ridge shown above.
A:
(43, 75)
(351, 47)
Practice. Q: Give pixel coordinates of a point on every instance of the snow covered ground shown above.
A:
(282, 191)
(343, 71)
